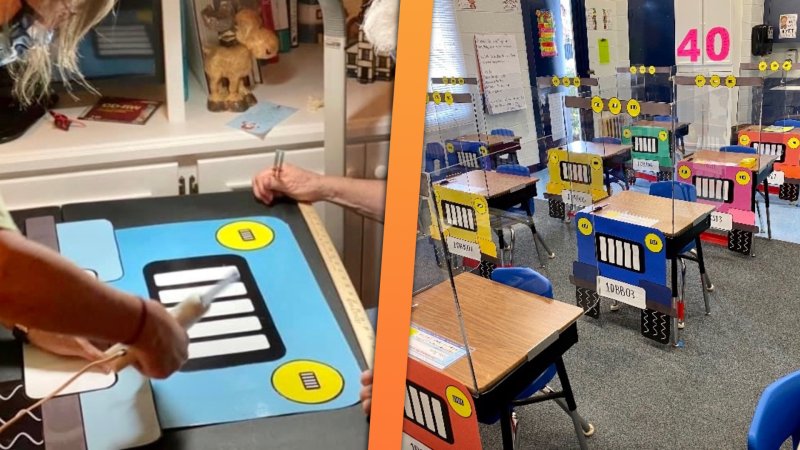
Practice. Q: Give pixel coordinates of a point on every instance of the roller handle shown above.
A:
(186, 313)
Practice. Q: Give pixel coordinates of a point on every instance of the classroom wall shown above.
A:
(471, 22)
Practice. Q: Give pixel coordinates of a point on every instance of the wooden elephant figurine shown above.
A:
(234, 64)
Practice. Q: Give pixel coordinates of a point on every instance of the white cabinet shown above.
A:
(236, 172)
(363, 239)
(91, 186)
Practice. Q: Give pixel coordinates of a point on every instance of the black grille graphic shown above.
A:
(577, 173)
(643, 144)
(766, 148)
(468, 160)
(459, 216)
(714, 189)
(429, 411)
(619, 252)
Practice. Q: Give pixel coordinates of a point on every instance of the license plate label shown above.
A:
(721, 221)
(645, 165)
(620, 291)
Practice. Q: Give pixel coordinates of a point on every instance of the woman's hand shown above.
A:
(291, 181)
(366, 391)
(65, 345)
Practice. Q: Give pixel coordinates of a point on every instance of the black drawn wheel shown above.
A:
(656, 326)
(789, 192)
(589, 301)
(556, 208)
(740, 241)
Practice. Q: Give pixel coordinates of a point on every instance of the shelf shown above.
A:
(298, 75)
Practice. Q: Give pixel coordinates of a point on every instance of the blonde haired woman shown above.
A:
(40, 36)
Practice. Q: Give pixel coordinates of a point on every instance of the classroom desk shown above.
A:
(514, 336)
(680, 223)
(725, 165)
(344, 429)
(496, 145)
(502, 191)
(782, 144)
(580, 172)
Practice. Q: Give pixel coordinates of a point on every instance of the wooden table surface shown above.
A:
(504, 326)
(488, 183)
(760, 129)
(594, 148)
(489, 139)
(674, 216)
(730, 158)
(655, 123)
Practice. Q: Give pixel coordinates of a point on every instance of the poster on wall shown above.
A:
(599, 19)
(501, 76)
(547, 33)
(489, 5)
(788, 26)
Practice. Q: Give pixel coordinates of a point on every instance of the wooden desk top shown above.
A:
(504, 326)
(489, 139)
(488, 183)
(655, 123)
(730, 158)
(594, 148)
(674, 216)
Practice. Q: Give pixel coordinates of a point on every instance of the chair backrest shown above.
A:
(524, 278)
(662, 119)
(777, 415)
(674, 190)
(788, 123)
(514, 169)
(607, 140)
(434, 151)
(502, 132)
(739, 149)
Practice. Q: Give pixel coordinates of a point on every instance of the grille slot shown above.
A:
(459, 216)
(770, 149)
(577, 173)
(619, 252)
(715, 189)
(428, 410)
(642, 144)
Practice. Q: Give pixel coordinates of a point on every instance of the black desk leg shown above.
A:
(766, 204)
(505, 428)
(567, 389)
(704, 280)
(537, 240)
(501, 240)
(674, 320)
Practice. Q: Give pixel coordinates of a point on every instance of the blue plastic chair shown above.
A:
(688, 193)
(788, 123)
(677, 191)
(777, 415)
(662, 119)
(517, 169)
(502, 132)
(529, 280)
(739, 149)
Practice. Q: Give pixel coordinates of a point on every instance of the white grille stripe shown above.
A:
(426, 411)
(644, 144)
(619, 253)
(579, 173)
(715, 189)
(459, 216)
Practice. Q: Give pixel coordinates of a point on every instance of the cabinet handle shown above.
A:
(181, 185)
(193, 186)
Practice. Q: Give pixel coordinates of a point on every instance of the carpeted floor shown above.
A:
(639, 394)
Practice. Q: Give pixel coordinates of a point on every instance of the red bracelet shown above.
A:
(139, 326)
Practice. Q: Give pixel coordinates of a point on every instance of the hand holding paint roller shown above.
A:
(186, 313)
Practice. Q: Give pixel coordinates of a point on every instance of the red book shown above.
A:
(269, 22)
(122, 110)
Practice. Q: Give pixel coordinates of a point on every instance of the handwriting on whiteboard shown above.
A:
(501, 76)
